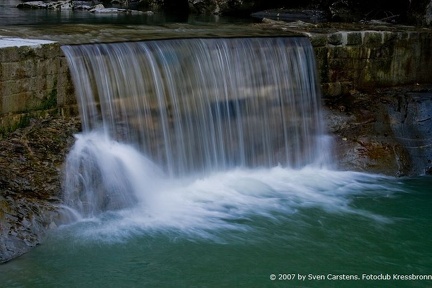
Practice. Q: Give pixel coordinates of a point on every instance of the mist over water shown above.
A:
(233, 200)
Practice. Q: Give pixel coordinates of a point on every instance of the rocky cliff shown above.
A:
(31, 160)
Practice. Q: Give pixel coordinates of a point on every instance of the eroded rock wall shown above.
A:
(31, 161)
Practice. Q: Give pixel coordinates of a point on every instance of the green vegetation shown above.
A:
(23, 121)
(51, 101)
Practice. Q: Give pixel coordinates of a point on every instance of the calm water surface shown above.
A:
(236, 228)
(10, 15)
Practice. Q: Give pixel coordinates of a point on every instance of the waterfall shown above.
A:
(182, 107)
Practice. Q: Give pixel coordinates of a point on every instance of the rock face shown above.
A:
(31, 159)
(428, 14)
(386, 131)
(411, 117)
(383, 131)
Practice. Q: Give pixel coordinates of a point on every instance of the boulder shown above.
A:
(309, 16)
(102, 10)
(33, 5)
(58, 5)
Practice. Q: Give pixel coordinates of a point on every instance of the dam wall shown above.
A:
(35, 80)
(362, 60)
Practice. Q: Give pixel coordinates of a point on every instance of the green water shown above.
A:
(385, 227)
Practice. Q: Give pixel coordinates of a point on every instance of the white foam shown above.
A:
(19, 42)
(224, 200)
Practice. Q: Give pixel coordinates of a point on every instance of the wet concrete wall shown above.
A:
(34, 75)
(34, 80)
(362, 60)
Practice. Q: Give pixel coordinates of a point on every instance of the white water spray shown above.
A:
(196, 134)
